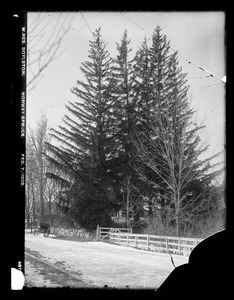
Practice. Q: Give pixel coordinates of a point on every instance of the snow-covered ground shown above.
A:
(102, 263)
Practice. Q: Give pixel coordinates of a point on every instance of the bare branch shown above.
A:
(43, 48)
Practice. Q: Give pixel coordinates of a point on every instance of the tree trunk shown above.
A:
(41, 202)
(27, 211)
(28, 220)
(49, 202)
(49, 206)
(41, 190)
(33, 204)
(177, 225)
(27, 208)
(177, 213)
(127, 210)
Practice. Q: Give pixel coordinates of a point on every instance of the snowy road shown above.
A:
(101, 264)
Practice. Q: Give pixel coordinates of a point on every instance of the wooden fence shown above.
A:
(165, 244)
(104, 232)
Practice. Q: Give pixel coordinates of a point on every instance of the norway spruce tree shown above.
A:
(130, 141)
(168, 145)
(125, 111)
(86, 151)
(126, 97)
(143, 79)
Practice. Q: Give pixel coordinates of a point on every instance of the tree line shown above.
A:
(130, 143)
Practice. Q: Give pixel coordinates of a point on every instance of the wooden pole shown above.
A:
(31, 224)
(97, 233)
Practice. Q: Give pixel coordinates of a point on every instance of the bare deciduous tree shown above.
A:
(42, 192)
(37, 139)
(31, 189)
(171, 152)
(132, 202)
(44, 41)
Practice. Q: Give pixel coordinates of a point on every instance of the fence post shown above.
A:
(179, 244)
(118, 237)
(97, 233)
(127, 238)
(136, 240)
(166, 245)
(147, 242)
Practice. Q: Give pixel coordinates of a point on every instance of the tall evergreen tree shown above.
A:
(168, 144)
(124, 107)
(87, 153)
(126, 111)
(143, 78)
(130, 113)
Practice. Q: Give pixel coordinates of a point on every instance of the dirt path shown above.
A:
(40, 273)
(98, 264)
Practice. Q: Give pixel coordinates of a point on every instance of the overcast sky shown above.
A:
(198, 37)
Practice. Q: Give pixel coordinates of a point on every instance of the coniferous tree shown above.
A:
(168, 144)
(124, 106)
(143, 70)
(131, 136)
(88, 152)
(149, 62)
(126, 113)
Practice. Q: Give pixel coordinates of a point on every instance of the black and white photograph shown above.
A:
(125, 167)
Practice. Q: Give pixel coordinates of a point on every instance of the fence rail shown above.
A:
(166, 244)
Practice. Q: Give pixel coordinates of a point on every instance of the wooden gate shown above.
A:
(103, 233)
